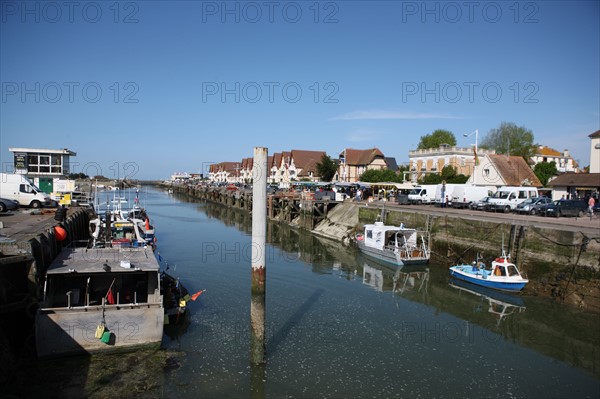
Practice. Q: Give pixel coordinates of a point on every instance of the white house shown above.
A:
(564, 161)
(595, 152)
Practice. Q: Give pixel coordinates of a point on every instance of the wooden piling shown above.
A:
(259, 270)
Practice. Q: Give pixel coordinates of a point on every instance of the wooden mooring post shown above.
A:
(259, 269)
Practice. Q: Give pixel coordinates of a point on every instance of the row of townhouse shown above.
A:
(301, 165)
(283, 167)
(485, 166)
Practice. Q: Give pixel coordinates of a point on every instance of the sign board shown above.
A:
(20, 160)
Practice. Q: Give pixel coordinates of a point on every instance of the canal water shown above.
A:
(342, 326)
(338, 326)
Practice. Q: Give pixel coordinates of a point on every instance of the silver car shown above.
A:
(531, 206)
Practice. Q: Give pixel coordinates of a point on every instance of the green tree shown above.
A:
(380, 175)
(545, 170)
(510, 139)
(448, 175)
(431, 178)
(326, 168)
(435, 139)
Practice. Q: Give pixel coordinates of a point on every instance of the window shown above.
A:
(522, 194)
(46, 163)
(512, 271)
(25, 188)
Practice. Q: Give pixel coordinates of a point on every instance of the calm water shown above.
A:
(339, 325)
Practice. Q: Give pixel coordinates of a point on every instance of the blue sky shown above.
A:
(174, 86)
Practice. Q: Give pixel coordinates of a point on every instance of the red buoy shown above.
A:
(60, 233)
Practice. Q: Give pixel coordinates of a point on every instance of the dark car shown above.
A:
(8, 205)
(565, 208)
(480, 205)
(531, 206)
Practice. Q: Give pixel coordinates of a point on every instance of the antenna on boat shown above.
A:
(382, 216)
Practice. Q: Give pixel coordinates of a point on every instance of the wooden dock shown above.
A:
(286, 206)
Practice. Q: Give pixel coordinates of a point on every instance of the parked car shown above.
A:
(531, 206)
(480, 205)
(565, 208)
(8, 205)
(507, 198)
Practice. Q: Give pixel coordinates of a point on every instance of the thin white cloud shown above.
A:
(358, 136)
(387, 115)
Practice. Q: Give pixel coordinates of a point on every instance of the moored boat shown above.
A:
(502, 275)
(100, 298)
(396, 245)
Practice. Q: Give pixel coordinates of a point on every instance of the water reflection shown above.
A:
(398, 280)
(499, 304)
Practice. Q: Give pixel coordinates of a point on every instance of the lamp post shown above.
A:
(475, 163)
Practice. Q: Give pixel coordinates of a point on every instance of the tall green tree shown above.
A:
(326, 168)
(545, 170)
(510, 139)
(435, 139)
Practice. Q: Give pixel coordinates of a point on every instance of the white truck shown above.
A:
(507, 198)
(20, 188)
(423, 194)
(466, 194)
(443, 194)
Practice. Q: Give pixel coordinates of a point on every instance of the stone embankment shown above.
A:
(561, 260)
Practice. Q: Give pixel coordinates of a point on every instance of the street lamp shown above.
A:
(476, 160)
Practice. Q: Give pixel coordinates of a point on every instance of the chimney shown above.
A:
(566, 154)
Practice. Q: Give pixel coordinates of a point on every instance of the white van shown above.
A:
(423, 194)
(465, 194)
(20, 188)
(507, 198)
(446, 198)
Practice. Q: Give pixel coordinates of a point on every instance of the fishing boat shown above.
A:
(502, 275)
(100, 298)
(117, 226)
(396, 245)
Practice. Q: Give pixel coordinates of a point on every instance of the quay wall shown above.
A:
(24, 261)
(564, 264)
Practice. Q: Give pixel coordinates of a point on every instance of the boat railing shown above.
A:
(409, 251)
(99, 307)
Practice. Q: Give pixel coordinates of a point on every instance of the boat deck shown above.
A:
(93, 260)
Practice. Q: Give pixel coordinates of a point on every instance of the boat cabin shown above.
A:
(504, 268)
(380, 236)
(84, 277)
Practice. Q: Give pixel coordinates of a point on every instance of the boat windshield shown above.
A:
(512, 270)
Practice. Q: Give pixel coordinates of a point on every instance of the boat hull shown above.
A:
(488, 282)
(71, 331)
(390, 257)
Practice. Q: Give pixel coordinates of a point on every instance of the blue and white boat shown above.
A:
(502, 275)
